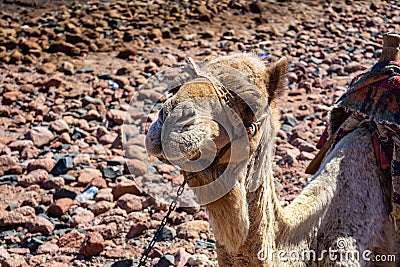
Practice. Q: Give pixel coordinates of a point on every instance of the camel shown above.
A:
(220, 128)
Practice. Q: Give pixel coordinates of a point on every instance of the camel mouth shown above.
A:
(181, 138)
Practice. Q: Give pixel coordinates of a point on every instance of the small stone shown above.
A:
(123, 263)
(167, 260)
(136, 167)
(130, 203)
(167, 234)
(72, 239)
(81, 216)
(306, 156)
(121, 81)
(91, 100)
(353, 67)
(192, 229)
(125, 186)
(40, 225)
(40, 136)
(62, 166)
(117, 116)
(17, 217)
(87, 175)
(181, 257)
(59, 126)
(14, 261)
(19, 145)
(88, 69)
(67, 67)
(4, 255)
(101, 207)
(112, 171)
(92, 115)
(21, 251)
(81, 159)
(137, 229)
(45, 164)
(65, 193)
(126, 53)
(47, 248)
(104, 195)
(47, 68)
(165, 168)
(60, 207)
(92, 245)
(52, 82)
(7, 163)
(10, 97)
(54, 183)
(34, 177)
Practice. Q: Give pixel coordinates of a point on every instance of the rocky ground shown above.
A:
(68, 72)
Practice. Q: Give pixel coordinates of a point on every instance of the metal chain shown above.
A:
(157, 233)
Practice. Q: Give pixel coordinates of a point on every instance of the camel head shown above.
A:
(217, 127)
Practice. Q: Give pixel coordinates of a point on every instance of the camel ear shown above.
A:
(275, 78)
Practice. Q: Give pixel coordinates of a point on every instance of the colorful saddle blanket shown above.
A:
(373, 96)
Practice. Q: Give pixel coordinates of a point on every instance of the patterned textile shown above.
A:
(375, 96)
(375, 93)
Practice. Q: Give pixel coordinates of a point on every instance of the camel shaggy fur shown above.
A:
(342, 217)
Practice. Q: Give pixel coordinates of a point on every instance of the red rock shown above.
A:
(21, 251)
(81, 159)
(34, 177)
(125, 186)
(110, 231)
(47, 248)
(165, 168)
(17, 217)
(62, 46)
(72, 239)
(81, 216)
(101, 207)
(59, 126)
(98, 182)
(137, 229)
(192, 229)
(10, 97)
(15, 261)
(92, 245)
(47, 199)
(45, 164)
(181, 257)
(40, 225)
(53, 82)
(4, 255)
(7, 163)
(87, 175)
(117, 116)
(30, 152)
(47, 68)
(306, 156)
(29, 46)
(136, 167)
(60, 207)
(126, 53)
(4, 150)
(104, 194)
(20, 144)
(130, 202)
(40, 136)
(54, 183)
